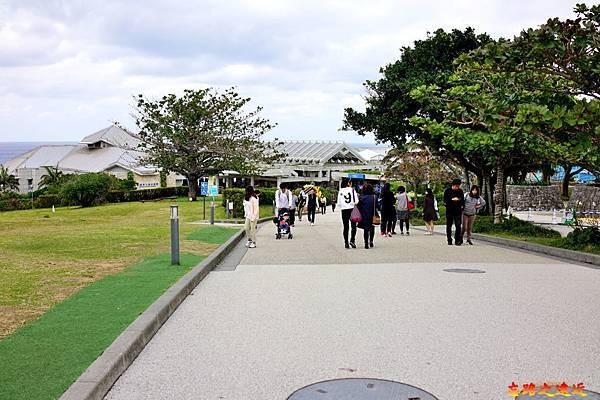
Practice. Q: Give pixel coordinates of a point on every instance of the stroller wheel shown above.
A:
(278, 236)
(290, 236)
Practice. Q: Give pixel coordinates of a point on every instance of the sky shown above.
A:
(70, 68)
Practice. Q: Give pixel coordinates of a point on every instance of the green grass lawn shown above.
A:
(46, 256)
(72, 281)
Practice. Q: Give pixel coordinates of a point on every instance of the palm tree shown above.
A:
(7, 181)
(53, 176)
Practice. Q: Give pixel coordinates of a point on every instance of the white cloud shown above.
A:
(68, 68)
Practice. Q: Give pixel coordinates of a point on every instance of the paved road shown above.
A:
(299, 311)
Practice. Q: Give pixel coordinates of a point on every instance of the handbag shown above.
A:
(376, 217)
(409, 203)
(355, 215)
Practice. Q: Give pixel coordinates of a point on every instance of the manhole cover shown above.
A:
(360, 389)
(588, 396)
(465, 270)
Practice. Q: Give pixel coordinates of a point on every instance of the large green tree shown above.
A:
(53, 176)
(389, 106)
(203, 132)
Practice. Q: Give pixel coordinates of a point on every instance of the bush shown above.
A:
(47, 201)
(11, 201)
(237, 196)
(87, 189)
(582, 237)
(118, 196)
(513, 226)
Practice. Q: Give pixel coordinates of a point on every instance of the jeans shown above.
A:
(251, 230)
(467, 226)
(347, 223)
(402, 222)
(292, 216)
(312, 210)
(323, 208)
(457, 221)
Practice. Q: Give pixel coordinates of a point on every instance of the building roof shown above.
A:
(115, 136)
(41, 156)
(314, 152)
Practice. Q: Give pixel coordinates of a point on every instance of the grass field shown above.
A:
(46, 257)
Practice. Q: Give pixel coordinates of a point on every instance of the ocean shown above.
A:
(10, 150)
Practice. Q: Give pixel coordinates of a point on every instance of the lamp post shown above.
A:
(174, 235)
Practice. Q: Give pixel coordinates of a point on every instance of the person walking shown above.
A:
(430, 211)
(283, 199)
(367, 204)
(301, 204)
(323, 204)
(473, 203)
(347, 199)
(251, 213)
(311, 202)
(293, 206)
(387, 210)
(454, 199)
(403, 210)
(333, 203)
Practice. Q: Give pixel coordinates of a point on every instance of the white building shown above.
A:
(112, 150)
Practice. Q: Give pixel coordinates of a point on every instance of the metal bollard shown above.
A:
(174, 235)
(212, 212)
(554, 220)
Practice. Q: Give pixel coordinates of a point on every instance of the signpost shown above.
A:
(204, 193)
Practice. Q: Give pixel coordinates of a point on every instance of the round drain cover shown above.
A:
(589, 396)
(465, 270)
(360, 389)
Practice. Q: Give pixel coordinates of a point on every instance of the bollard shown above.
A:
(53, 209)
(554, 220)
(529, 216)
(174, 235)
(212, 212)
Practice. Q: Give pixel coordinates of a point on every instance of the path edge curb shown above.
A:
(571, 255)
(100, 376)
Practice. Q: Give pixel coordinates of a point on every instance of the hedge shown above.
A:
(118, 196)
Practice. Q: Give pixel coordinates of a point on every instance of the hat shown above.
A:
(456, 181)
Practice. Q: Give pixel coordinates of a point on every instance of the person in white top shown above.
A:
(347, 199)
(283, 199)
(251, 212)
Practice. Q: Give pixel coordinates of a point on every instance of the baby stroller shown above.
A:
(282, 221)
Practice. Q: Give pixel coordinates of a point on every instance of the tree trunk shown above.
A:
(467, 178)
(565, 182)
(192, 187)
(499, 194)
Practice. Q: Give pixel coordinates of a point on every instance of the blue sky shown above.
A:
(69, 68)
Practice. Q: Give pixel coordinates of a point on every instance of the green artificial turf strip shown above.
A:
(42, 359)
(212, 234)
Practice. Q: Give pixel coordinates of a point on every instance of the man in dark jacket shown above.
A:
(454, 199)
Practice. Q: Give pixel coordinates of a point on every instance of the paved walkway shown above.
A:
(295, 312)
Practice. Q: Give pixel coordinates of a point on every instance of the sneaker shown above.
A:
(382, 234)
(469, 241)
(458, 243)
(252, 245)
(366, 246)
(248, 243)
(402, 233)
(389, 235)
(347, 246)
(394, 233)
(371, 244)
(353, 245)
(449, 243)
(312, 224)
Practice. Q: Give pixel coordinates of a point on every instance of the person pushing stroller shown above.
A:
(283, 203)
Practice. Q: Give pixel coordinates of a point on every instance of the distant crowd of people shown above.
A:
(366, 209)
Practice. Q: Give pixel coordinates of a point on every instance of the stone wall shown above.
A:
(540, 198)
(585, 198)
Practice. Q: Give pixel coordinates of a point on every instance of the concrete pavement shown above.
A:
(295, 312)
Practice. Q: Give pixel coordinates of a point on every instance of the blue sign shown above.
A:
(356, 176)
(203, 188)
(213, 190)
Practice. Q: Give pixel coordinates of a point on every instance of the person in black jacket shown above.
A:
(454, 199)
(311, 202)
(387, 210)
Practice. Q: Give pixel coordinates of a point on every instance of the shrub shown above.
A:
(11, 201)
(87, 189)
(237, 196)
(513, 226)
(118, 196)
(582, 237)
(47, 201)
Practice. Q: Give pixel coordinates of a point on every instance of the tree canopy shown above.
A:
(202, 133)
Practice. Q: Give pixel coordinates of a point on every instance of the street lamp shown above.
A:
(174, 235)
